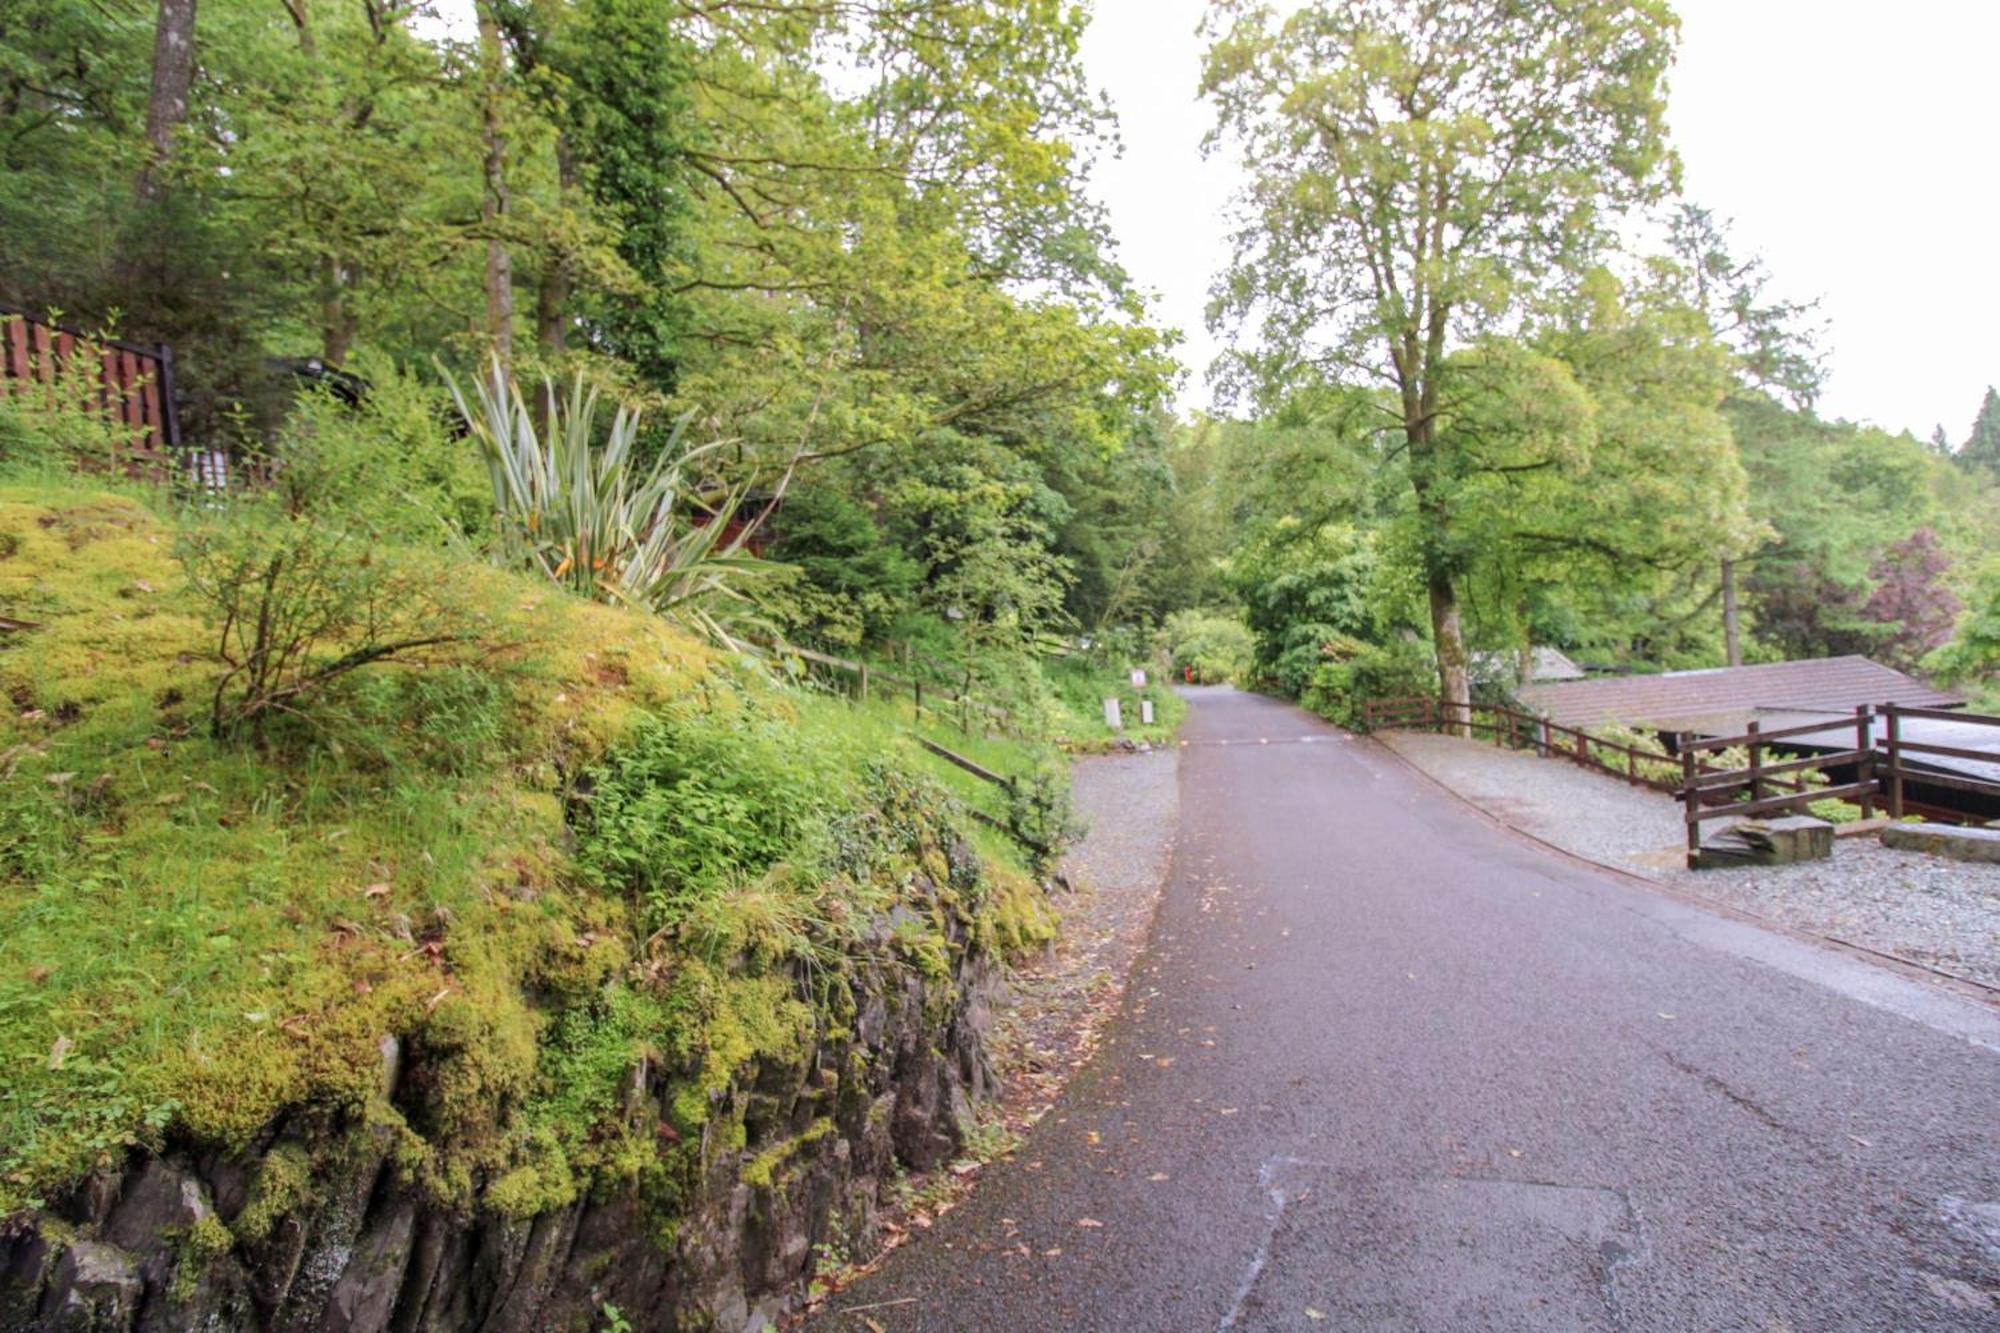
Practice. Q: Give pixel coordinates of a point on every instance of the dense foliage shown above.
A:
(1485, 419)
(847, 246)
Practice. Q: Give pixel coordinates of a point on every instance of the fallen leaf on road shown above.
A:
(873, 1327)
(1052, 1252)
(1161, 1175)
(1315, 1314)
(1668, 1017)
(1088, 1222)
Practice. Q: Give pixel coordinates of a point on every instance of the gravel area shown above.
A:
(1927, 909)
(1596, 817)
(1131, 805)
(1931, 910)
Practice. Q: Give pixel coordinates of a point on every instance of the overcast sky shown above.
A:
(1852, 141)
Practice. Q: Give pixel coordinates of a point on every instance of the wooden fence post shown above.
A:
(1692, 797)
(1864, 767)
(1542, 736)
(861, 682)
(1895, 743)
(1756, 761)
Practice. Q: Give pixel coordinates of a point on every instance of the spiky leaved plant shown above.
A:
(597, 520)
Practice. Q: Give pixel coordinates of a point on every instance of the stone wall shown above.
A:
(194, 1239)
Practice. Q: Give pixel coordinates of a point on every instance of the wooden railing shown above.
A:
(129, 383)
(1882, 769)
(1521, 730)
(864, 679)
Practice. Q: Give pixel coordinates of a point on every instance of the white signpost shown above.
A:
(1146, 711)
(1111, 716)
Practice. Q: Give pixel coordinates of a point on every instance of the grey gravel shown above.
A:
(1925, 909)
(1928, 909)
(1597, 817)
(1131, 806)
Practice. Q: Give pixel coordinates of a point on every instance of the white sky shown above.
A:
(1852, 141)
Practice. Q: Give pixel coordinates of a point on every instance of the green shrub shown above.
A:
(297, 604)
(1218, 647)
(690, 805)
(390, 463)
(1040, 814)
(60, 423)
(1338, 688)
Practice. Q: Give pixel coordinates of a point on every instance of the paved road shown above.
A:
(1385, 1066)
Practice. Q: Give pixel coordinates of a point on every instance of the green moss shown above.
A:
(543, 1182)
(284, 1182)
(1016, 915)
(759, 1169)
(200, 1246)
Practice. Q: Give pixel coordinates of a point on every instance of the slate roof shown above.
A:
(1719, 700)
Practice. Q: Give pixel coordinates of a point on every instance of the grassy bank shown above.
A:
(573, 841)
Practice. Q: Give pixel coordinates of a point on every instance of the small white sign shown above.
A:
(1112, 718)
(1138, 678)
(1146, 712)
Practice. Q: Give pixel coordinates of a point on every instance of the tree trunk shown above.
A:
(337, 323)
(1447, 630)
(552, 296)
(1454, 677)
(493, 208)
(1732, 632)
(173, 76)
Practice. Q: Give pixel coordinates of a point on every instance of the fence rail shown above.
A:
(1882, 771)
(865, 679)
(131, 383)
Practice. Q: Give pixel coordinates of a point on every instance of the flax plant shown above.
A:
(597, 520)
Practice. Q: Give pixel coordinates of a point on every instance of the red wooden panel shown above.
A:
(17, 352)
(45, 368)
(128, 378)
(107, 381)
(65, 347)
(150, 399)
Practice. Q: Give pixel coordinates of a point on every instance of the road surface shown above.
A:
(1384, 1065)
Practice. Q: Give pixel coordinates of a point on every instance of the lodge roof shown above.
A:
(1719, 700)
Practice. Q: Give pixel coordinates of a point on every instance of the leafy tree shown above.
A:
(1417, 171)
(1911, 601)
(1982, 446)
(1773, 348)
(856, 581)
(1973, 655)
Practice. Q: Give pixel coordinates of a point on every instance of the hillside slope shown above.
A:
(573, 967)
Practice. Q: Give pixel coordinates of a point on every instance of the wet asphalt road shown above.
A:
(1385, 1066)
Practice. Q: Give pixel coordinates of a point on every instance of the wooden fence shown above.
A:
(1519, 730)
(131, 384)
(1775, 779)
(863, 680)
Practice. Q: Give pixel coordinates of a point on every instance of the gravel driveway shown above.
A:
(1930, 910)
